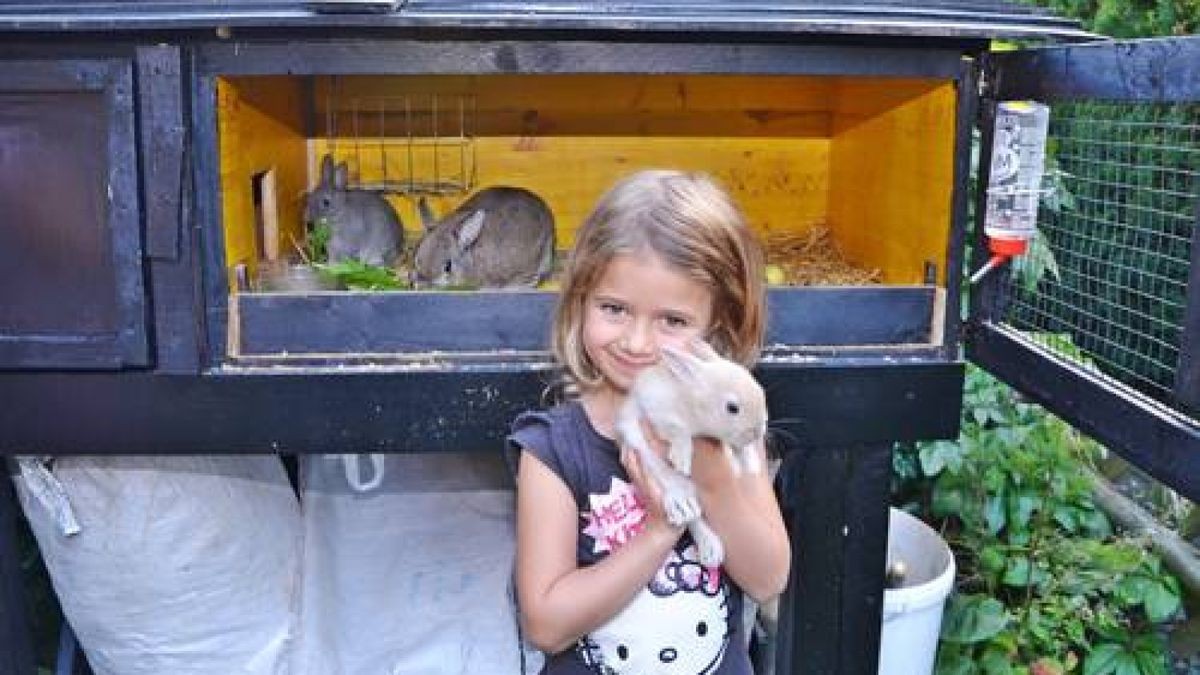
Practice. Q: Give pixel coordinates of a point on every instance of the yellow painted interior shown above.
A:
(869, 158)
(891, 174)
(259, 125)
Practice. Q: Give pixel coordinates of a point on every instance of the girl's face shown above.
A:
(640, 305)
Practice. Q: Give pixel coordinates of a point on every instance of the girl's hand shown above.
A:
(649, 492)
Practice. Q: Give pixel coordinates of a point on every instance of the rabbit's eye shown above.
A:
(732, 407)
(446, 267)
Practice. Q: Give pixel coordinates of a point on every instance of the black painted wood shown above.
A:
(813, 501)
(1156, 439)
(16, 645)
(835, 505)
(420, 408)
(166, 183)
(987, 296)
(1187, 373)
(71, 255)
(1163, 444)
(160, 95)
(864, 540)
(539, 55)
(381, 323)
(209, 251)
(966, 114)
(1162, 69)
(930, 20)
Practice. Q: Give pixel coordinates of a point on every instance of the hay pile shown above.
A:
(810, 258)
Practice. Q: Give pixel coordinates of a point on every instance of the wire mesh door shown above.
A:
(1106, 282)
(1100, 319)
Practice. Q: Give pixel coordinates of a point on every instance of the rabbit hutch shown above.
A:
(169, 291)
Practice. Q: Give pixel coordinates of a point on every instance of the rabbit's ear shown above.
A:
(428, 220)
(684, 366)
(327, 170)
(471, 228)
(341, 176)
(704, 350)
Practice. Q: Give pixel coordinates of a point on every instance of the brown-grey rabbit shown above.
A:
(362, 225)
(500, 237)
(688, 394)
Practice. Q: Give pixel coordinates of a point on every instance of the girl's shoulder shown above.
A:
(564, 440)
(551, 430)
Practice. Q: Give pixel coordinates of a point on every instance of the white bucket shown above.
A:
(912, 614)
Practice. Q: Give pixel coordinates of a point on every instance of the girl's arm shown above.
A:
(744, 512)
(560, 602)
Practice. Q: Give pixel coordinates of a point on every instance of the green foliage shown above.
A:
(358, 276)
(1111, 265)
(1131, 18)
(1044, 586)
(349, 274)
(316, 244)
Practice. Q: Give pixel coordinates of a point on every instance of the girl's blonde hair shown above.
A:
(693, 225)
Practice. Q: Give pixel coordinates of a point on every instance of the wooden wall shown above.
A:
(871, 159)
(891, 174)
(260, 128)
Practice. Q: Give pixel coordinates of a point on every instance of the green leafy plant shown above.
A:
(316, 244)
(358, 276)
(1044, 586)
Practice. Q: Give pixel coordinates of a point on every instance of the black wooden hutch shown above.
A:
(136, 137)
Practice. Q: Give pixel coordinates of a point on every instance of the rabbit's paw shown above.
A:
(749, 457)
(680, 455)
(708, 545)
(680, 502)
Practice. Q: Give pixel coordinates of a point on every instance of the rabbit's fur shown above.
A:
(362, 225)
(688, 394)
(500, 237)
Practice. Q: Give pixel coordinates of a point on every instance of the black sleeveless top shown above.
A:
(688, 620)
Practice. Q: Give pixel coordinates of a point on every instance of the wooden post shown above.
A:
(836, 506)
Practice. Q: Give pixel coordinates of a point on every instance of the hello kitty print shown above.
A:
(679, 624)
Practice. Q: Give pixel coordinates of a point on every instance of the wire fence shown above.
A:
(1106, 281)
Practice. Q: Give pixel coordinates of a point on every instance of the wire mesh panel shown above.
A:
(1106, 281)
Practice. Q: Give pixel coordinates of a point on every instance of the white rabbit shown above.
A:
(686, 395)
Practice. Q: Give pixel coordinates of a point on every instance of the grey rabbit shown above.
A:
(500, 237)
(362, 225)
(686, 394)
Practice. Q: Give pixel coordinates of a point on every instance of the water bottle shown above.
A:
(1015, 180)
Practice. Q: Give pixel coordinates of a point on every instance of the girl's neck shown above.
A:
(601, 404)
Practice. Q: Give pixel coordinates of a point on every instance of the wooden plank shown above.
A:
(537, 55)
(864, 539)
(260, 129)
(568, 94)
(892, 176)
(781, 184)
(167, 177)
(1157, 70)
(430, 406)
(391, 322)
(812, 495)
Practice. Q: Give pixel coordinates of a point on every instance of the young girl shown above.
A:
(605, 583)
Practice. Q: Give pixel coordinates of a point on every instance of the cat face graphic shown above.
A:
(672, 627)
